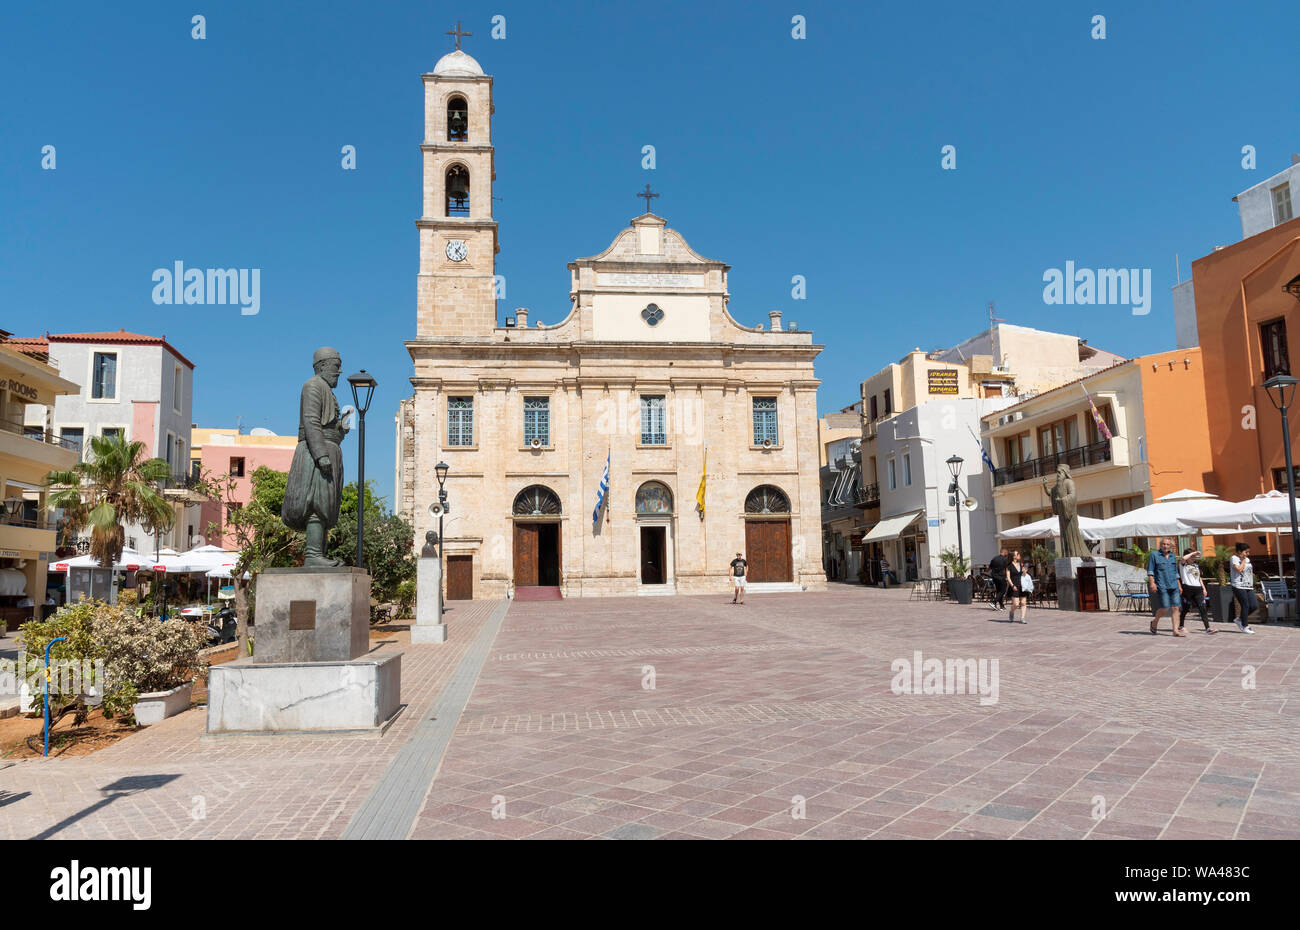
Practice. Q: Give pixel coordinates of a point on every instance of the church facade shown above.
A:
(708, 426)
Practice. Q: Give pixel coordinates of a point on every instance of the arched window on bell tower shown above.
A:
(457, 187)
(457, 120)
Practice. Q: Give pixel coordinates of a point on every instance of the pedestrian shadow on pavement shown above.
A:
(123, 787)
(8, 797)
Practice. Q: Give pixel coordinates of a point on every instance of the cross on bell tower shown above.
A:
(648, 197)
(457, 33)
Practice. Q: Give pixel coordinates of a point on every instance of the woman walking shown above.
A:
(1194, 592)
(1243, 588)
(1015, 578)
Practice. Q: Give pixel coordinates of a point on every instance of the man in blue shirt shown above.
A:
(1162, 579)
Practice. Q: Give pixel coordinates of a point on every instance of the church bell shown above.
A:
(458, 185)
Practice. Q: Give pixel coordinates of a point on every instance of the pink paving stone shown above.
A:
(792, 699)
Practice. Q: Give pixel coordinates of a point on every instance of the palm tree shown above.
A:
(115, 486)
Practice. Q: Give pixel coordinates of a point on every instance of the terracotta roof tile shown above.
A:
(118, 337)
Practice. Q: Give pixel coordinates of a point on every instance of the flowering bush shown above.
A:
(151, 655)
(138, 654)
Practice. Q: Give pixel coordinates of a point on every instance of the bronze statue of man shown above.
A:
(1065, 504)
(315, 485)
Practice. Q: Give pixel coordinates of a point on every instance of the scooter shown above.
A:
(222, 627)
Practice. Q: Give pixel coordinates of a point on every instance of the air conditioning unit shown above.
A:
(536, 443)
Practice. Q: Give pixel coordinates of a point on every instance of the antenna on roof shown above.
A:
(1178, 272)
(993, 336)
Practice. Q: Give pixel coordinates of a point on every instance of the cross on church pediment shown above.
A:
(648, 197)
(457, 33)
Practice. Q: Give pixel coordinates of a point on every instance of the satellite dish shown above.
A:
(970, 503)
(260, 431)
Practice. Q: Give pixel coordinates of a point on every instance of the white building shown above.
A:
(1269, 203)
(137, 385)
(918, 515)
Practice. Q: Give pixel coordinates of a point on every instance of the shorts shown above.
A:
(738, 581)
(1167, 597)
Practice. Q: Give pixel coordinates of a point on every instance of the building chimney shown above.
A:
(775, 317)
(521, 317)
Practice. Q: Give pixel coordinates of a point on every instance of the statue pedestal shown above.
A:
(312, 615)
(311, 669)
(360, 697)
(1116, 573)
(428, 626)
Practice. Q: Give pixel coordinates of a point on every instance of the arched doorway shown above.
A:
(654, 518)
(767, 535)
(536, 513)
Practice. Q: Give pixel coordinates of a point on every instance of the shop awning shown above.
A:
(891, 527)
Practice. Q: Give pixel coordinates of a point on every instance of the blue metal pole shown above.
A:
(47, 690)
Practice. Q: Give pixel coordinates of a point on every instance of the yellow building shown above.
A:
(28, 452)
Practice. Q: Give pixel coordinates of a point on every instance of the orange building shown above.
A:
(1243, 316)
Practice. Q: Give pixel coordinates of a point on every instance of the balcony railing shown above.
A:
(35, 523)
(868, 495)
(39, 434)
(1078, 457)
(179, 483)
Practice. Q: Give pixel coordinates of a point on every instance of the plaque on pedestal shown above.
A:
(312, 615)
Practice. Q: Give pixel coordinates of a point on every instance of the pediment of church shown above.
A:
(648, 240)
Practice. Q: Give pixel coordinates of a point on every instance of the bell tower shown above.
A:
(458, 237)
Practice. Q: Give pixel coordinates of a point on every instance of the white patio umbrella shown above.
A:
(128, 561)
(1270, 511)
(1051, 528)
(1163, 518)
(1187, 494)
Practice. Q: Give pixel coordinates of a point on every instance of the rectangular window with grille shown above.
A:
(460, 421)
(765, 420)
(654, 425)
(73, 437)
(1279, 478)
(537, 420)
(1282, 203)
(1272, 339)
(104, 376)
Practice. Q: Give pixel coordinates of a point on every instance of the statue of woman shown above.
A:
(1066, 507)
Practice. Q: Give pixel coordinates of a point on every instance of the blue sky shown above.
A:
(818, 157)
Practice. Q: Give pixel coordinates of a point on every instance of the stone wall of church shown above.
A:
(595, 411)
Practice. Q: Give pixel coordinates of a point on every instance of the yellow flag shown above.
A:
(699, 495)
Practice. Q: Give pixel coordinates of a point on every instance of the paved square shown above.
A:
(752, 708)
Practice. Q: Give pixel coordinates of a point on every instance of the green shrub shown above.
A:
(138, 654)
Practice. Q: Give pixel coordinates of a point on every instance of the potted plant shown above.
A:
(960, 585)
(157, 660)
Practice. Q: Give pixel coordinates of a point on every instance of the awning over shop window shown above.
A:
(891, 527)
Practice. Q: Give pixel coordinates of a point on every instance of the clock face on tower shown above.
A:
(456, 250)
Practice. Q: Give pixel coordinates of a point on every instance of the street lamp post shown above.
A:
(363, 385)
(1281, 391)
(441, 470)
(954, 466)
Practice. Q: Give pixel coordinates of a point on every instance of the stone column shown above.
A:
(428, 626)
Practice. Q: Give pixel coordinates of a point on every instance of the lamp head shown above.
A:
(954, 465)
(363, 386)
(1281, 390)
(441, 470)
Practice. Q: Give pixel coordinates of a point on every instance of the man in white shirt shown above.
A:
(1243, 588)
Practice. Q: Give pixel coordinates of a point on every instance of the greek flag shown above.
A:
(983, 453)
(600, 494)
